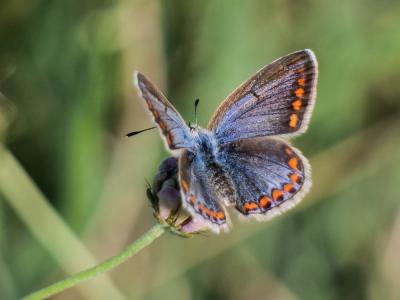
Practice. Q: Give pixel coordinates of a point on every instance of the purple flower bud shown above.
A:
(166, 200)
(167, 170)
(169, 198)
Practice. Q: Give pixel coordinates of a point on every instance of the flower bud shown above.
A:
(166, 201)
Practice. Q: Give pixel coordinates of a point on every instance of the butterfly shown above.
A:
(243, 158)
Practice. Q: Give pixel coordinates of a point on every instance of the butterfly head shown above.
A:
(193, 126)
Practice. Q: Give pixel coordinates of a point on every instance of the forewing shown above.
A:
(173, 128)
(269, 175)
(198, 194)
(277, 100)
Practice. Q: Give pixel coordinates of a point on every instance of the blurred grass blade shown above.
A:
(7, 114)
(6, 72)
(49, 229)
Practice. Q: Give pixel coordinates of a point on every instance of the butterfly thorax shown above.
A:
(206, 156)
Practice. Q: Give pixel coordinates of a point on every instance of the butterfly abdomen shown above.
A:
(222, 183)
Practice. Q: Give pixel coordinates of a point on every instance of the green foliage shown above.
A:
(66, 69)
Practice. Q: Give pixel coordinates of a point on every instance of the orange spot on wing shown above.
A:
(185, 186)
(192, 199)
(296, 104)
(299, 92)
(169, 138)
(264, 202)
(289, 188)
(250, 206)
(295, 178)
(294, 119)
(288, 151)
(213, 213)
(149, 105)
(156, 114)
(293, 163)
(277, 195)
(220, 215)
(301, 81)
(207, 211)
(162, 125)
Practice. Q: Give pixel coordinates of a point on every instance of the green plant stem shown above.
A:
(105, 266)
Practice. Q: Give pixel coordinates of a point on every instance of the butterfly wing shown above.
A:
(277, 100)
(199, 194)
(269, 175)
(173, 128)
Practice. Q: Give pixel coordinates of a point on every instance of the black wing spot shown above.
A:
(255, 94)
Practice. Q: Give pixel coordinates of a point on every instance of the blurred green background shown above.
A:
(65, 73)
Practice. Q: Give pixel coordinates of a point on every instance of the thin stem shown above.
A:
(105, 266)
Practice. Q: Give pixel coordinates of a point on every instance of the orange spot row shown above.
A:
(296, 104)
(211, 213)
(293, 163)
(264, 202)
(294, 119)
(156, 115)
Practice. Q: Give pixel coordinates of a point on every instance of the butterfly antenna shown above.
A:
(196, 104)
(137, 132)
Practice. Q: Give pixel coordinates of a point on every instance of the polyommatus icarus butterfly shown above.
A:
(243, 158)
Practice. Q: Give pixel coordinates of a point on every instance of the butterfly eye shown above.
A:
(191, 126)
